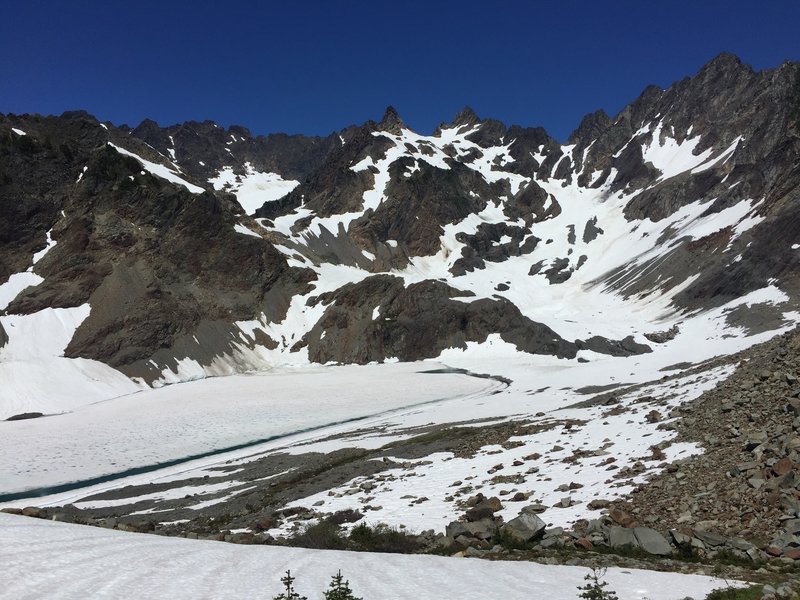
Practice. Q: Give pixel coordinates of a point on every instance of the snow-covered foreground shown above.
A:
(45, 559)
(191, 419)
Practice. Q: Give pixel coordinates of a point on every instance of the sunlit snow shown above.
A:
(160, 170)
(115, 564)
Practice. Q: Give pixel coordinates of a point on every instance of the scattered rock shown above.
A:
(525, 527)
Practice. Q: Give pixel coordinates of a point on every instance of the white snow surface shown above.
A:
(15, 284)
(20, 281)
(156, 426)
(89, 562)
(672, 157)
(254, 188)
(239, 228)
(161, 171)
(34, 373)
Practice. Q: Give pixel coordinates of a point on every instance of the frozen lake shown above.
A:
(156, 428)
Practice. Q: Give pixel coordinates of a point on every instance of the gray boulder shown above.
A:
(621, 536)
(455, 529)
(483, 529)
(525, 527)
(652, 541)
(709, 538)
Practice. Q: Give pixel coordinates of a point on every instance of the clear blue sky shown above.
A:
(316, 67)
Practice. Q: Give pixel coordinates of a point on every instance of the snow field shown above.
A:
(156, 426)
(115, 564)
(253, 188)
(35, 375)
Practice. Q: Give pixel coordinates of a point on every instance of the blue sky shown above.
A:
(316, 67)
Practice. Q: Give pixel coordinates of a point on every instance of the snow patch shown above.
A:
(253, 188)
(239, 228)
(671, 157)
(160, 170)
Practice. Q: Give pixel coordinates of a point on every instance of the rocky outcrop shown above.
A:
(202, 149)
(418, 206)
(146, 254)
(381, 318)
(493, 242)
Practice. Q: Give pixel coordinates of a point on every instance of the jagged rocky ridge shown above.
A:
(377, 242)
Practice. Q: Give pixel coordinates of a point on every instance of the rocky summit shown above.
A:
(595, 308)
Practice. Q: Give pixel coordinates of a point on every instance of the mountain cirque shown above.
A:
(163, 264)
(657, 243)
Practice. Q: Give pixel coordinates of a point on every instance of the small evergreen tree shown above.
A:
(595, 588)
(339, 589)
(289, 593)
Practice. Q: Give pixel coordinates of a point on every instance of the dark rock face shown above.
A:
(487, 244)
(418, 321)
(333, 187)
(530, 205)
(203, 148)
(33, 170)
(625, 347)
(420, 205)
(153, 259)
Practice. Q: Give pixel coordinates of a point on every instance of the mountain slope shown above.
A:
(174, 253)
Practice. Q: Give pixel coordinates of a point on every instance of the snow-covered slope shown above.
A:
(115, 564)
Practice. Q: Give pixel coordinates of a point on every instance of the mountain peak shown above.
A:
(723, 64)
(591, 126)
(466, 116)
(391, 121)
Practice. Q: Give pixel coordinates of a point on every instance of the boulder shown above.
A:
(455, 529)
(710, 539)
(484, 508)
(619, 537)
(524, 528)
(680, 539)
(793, 553)
(483, 529)
(584, 543)
(620, 517)
(552, 542)
(479, 513)
(792, 526)
(244, 537)
(783, 466)
(492, 503)
(652, 541)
